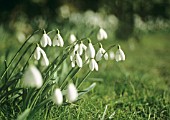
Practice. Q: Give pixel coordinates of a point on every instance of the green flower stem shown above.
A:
(85, 77)
(17, 53)
(112, 46)
(63, 82)
(46, 82)
(9, 93)
(24, 53)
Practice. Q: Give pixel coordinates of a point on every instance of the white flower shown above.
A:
(90, 51)
(101, 53)
(119, 54)
(79, 61)
(72, 38)
(37, 56)
(32, 77)
(81, 48)
(58, 97)
(75, 58)
(45, 40)
(93, 65)
(72, 93)
(101, 34)
(58, 40)
(111, 55)
(37, 53)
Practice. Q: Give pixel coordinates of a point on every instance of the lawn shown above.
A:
(138, 88)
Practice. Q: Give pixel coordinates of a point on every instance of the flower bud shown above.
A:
(58, 97)
(72, 93)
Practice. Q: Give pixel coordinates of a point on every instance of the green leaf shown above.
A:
(87, 89)
(24, 115)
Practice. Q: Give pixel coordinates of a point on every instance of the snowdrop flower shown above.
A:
(58, 40)
(76, 59)
(90, 50)
(101, 53)
(32, 77)
(93, 65)
(72, 38)
(111, 55)
(37, 56)
(101, 34)
(72, 93)
(119, 54)
(81, 48)
(58, 97)
(45, 40)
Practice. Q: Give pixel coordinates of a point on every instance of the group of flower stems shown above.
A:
(77, 52)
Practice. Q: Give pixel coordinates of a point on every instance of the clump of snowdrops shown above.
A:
(31, 81)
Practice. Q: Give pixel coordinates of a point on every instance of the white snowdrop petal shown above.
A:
(73, 64)
(72, 93)
(101, 34)
(119, 55)
(60, 39)
(84, 46)
(58, 97)
(122, 54)
(76, 47)
(91, 64)
(32, 77)
(111, 55)
(95, 65)
(99, 55)
(48, 40)
(80, 50)
(37, 53)
(45, 61)
(90, 51)
(72, 38)
(106, 56)
(79, 60)
(44, 41)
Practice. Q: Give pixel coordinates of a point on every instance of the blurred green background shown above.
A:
(138, 88)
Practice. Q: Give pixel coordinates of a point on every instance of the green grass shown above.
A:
(137, 89)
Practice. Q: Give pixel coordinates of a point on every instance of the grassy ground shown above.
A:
(136, 89)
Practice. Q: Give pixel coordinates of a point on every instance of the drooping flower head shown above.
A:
(119, 54)
(45, 40)
(81, 48)
(101, 53)
(58, 40)
(101, 35)
(93, 65)
(37, 55)
(32, 77)
(90, 52)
